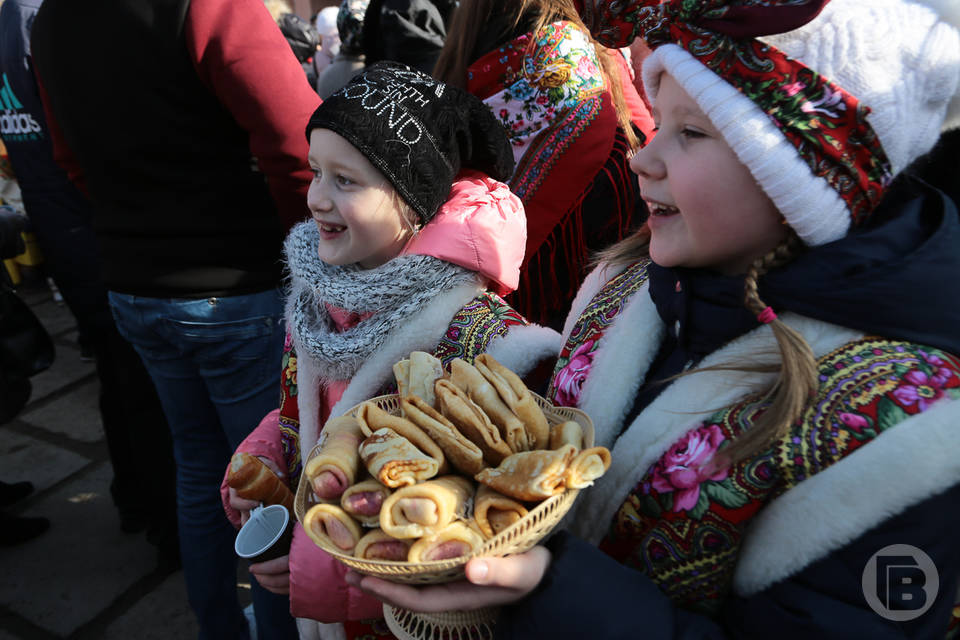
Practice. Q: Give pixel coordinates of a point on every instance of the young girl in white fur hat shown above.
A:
(411, 235)
(773, 359)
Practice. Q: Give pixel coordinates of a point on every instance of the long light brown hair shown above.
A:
(796, 372)
(461, 40)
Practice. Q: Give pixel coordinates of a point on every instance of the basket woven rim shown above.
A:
(554, 507)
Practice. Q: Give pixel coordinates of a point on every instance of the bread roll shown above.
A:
(456, 540)
(334, 468)
(587, 466)
(254, 480)
(372, 418)
(467, 377)
(471, 421)
(425, 508)
(377, 545)
(493, 512)
(530, 475)
(394, 461)
(568, 432)
(329, 525)
(457, 448)
(516, 396)
(363, 501)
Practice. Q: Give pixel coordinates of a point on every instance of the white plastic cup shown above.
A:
(266, 535)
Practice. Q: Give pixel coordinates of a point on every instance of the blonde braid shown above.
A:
(797, 374)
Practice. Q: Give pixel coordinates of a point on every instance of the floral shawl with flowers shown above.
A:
(549, 92)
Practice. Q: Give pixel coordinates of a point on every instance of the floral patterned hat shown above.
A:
(824, 101)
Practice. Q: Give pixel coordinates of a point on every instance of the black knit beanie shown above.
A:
(419, 132)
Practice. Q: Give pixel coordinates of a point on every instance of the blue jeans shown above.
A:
(215, 364)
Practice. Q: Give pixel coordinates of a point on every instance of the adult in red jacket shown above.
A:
(183, 120)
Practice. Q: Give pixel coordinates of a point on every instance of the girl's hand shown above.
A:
(273, 575)
(490, 582)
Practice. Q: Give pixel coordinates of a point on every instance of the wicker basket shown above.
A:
(517, 538)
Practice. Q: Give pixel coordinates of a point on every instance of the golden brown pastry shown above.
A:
(587, 466)
(329, 525)
(494, 512)
(471, 421)
(467, 377)
(363, 500)
(254, 480)
(377, 545)
(530, 475)
(394, 461)
(457, 448)
(334, 468)
(516, 396)
(425, 508)
(568, 432)
(416, 375)
(372, 418)
(456, 540)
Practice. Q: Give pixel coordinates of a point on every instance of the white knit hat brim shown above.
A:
(808, 203)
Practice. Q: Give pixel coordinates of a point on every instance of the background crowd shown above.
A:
(181, 165)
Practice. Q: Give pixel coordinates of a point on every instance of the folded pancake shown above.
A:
(516, 396)
(493, 512)
(372, 418)
(456, 540)
(457, 448)
(425, 508)
(334, 468)
(377, 545)
(329, 525)
(467, 377)
(425, 370)
(401, 372)
(471, 421)
(568, 432)
(394, 461)
(530, 475)
(363, 500)
(587, 466)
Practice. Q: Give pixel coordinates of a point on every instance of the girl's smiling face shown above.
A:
(706, 210)
(360, 216)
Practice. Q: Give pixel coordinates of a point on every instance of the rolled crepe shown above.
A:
(568, 432)
(377, 545)
(471, 421)
(394, 461)
(530, 475)
(334, 468)
(454, 541)
(372, 418)
(467, 377)
(516, 396)
(363, 500)
(254, 480)
(457, 448)
(587, 466)
(493, 512)
(329, 525)
(425, 508)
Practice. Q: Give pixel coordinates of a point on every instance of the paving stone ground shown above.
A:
(84, 579)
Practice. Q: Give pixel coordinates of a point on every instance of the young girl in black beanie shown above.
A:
(411, 240)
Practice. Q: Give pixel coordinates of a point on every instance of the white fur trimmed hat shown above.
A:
(824, 102)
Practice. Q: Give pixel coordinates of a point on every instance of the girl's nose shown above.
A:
(647, 163)
(317, 199)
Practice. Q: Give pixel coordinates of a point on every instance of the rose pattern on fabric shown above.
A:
(686, 465)
(919, 389)
(569, 380)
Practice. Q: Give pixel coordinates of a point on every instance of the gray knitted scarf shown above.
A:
(392, 292)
